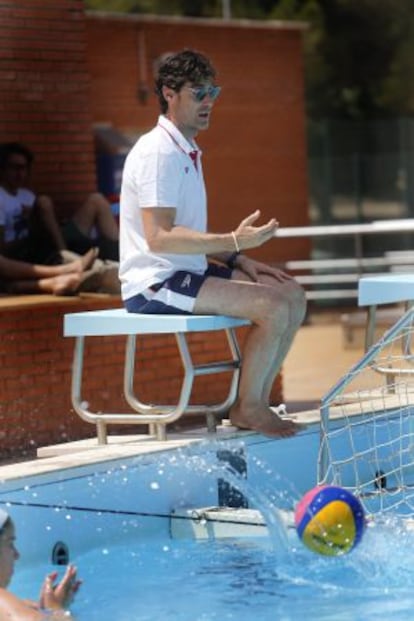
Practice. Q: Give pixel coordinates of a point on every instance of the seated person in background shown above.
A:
(29, 229)
(66, 279)
(54, 598)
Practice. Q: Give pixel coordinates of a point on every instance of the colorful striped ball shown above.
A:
(330, 520)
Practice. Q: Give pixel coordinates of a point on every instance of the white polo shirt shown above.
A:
(159, 172)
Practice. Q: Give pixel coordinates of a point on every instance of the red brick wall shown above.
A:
(44, 93)
(255, 150)
(35, 406)
(255, 156)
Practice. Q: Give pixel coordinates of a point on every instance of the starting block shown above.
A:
(119, 322)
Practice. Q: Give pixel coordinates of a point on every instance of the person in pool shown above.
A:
(54, 597)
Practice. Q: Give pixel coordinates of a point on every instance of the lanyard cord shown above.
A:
(191, 154)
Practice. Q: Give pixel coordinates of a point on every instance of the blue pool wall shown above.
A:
(111, 502)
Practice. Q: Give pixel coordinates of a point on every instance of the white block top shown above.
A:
(119, 321)
(385, 289)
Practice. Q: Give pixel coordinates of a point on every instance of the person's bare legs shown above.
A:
(46, 210)
(96, 212)
(81, 263)
(57, 285)
(269, 311)
(11, 269)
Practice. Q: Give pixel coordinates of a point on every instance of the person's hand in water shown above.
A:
(59, 596)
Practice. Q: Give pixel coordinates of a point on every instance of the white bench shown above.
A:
(120, 322)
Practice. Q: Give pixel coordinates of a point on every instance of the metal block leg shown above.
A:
(157, 416)
(161, 432)
(211, 422)
(101, 432)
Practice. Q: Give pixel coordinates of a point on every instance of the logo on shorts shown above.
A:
(186, 170)
(186, 281)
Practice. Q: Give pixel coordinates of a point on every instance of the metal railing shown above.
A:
(337, 278)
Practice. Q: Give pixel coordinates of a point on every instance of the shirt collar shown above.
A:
(177, 137)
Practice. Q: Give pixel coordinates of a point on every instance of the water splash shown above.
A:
(203, 463)
(225, 579)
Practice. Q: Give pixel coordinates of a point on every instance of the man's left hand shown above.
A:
(253, 269)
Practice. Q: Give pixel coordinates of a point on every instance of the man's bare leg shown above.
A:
(96, 212)
(269, 312)
(294, 295)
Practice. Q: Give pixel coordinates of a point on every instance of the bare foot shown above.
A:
(88, 258)
(66, 284)
(70, 284)
(263, 420)
(83, 263)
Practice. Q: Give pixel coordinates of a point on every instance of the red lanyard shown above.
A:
(193, 154)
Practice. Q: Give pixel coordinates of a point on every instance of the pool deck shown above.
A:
(317, 359)
(315, 362)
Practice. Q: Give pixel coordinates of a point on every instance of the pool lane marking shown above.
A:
(38, 505)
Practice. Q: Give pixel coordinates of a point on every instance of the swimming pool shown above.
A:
(126, 523)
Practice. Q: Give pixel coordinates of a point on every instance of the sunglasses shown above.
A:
(201, 92)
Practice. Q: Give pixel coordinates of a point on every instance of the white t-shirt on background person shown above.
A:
(13, 208)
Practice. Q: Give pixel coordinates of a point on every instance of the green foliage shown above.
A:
(359, 56)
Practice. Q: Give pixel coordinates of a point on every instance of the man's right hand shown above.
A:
(249, 236)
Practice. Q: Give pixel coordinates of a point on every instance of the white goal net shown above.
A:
(367, 425)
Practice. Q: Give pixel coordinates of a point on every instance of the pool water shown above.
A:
(245, 580)
(116, 520)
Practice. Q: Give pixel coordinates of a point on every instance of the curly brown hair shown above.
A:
(181, 67)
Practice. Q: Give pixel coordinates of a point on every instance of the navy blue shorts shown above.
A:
(176, 295)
